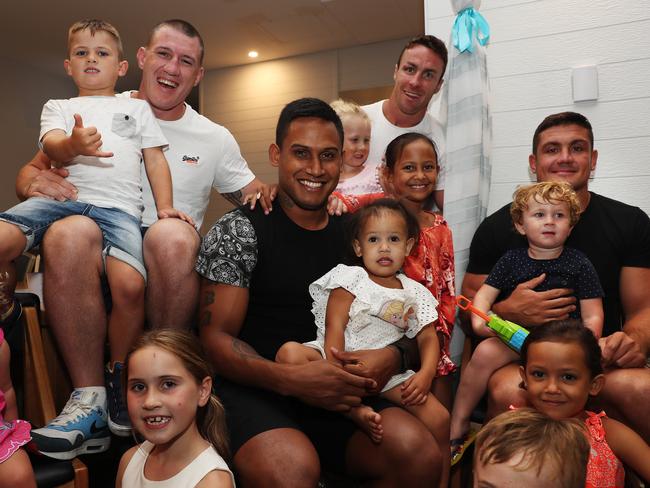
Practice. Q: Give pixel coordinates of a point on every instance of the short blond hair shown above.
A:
(344, 108)
(541, 443)
(96, 25)
(547, 191)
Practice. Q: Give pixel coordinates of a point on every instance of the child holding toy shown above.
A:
(545, 213)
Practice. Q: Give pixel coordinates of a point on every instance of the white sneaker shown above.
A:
(81, 428)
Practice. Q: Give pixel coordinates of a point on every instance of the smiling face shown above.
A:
(356, 142)
(309, 163)
(557, 379)
(414, 175)
(171, 67)
(546, 225)
(383, 244)
(94, 62)
(162, 396)
(417, 78)
(564, 153)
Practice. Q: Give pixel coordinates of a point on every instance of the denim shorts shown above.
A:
(121, 231)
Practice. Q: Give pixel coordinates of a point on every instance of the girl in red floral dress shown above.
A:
(561, 369)
(411, 172)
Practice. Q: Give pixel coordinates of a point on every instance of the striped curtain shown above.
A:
(465, 111)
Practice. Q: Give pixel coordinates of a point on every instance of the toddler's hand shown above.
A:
(335, 205)
(87, 141)
(416, 389)
(172, 213)
(489, 332)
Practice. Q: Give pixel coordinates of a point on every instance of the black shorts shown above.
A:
(251, 411)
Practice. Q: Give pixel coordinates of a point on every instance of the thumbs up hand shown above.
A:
(87, 141)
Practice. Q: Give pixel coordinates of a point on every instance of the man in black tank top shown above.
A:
(283, 419)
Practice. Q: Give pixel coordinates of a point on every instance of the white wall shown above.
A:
(24, 91)
(533, 46)
(247, 99)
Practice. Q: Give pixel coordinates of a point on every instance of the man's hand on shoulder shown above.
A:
(265, 194)
(619, 350)
(326, 385)
(530, 308)
(255, 191)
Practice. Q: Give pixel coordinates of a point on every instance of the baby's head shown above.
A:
(525, 448)
(168, 377)
(356, 129)
(545, 212)
(95, 55)
(382, 235)
(560, 368)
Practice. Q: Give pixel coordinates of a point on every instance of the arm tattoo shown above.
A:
(206, 319)
(244, 350)
(234, 197)
(208, 298)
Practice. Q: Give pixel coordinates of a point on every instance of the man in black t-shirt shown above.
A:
(616, 239)
(283, 419)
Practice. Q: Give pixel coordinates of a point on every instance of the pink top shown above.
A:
(367, 181)
(12, 434)
(430, 263)
(604, 469)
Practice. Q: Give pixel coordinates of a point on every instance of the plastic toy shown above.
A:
(511, 334)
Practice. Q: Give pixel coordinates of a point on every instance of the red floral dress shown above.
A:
(604, 469)
(430, 263)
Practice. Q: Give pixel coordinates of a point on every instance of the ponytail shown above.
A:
(211, 421)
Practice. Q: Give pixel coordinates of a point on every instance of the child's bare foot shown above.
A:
(369, 421)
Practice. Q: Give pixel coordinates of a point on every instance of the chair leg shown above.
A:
(40, 407)
(80, 474)
(37, 369)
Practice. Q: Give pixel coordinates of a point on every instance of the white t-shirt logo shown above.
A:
(191, 159)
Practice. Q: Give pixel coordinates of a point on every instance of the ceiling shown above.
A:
(34, 32)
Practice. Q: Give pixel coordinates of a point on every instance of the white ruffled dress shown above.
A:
(379, 316)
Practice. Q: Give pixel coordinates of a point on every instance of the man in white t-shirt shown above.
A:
(418, 76)
(202, 155)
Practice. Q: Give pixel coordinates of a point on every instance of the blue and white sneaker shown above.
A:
(118, 416)
(81, 428)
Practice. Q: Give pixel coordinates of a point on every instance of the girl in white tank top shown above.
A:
(171, 404)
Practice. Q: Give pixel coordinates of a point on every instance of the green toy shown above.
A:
(511, 334)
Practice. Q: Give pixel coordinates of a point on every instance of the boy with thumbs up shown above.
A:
(101, 140)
